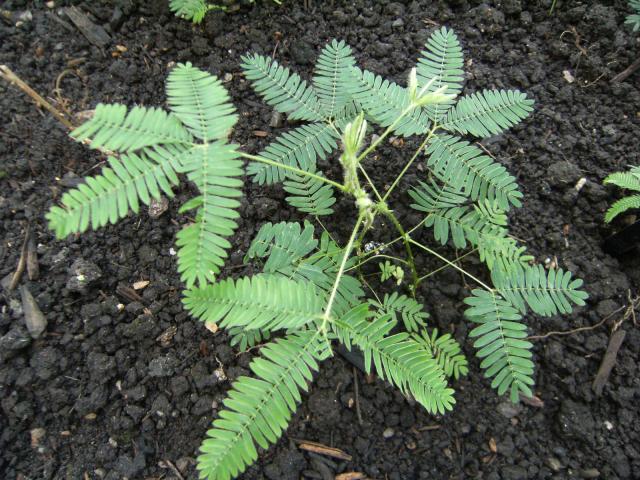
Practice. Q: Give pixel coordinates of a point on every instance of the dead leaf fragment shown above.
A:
(568, 76)
(533, 401)
(140, 284)
(37, 434)
(211, 326)
(351, 476)
(158, 207)
(492, 445)
(165, 337)
(323, 450)
(33, 317)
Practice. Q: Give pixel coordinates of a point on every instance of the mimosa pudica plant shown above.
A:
(311, 293)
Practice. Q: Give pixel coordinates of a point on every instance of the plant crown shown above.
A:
(311, 290)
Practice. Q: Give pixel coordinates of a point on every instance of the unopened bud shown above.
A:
(354, 134)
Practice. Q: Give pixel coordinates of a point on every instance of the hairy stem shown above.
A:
(343, 263)
(299, 171)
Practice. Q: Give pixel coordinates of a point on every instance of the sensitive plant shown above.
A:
(311, 292)
(195, 10)
(629, 181)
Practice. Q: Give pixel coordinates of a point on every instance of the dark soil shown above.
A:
(127, 388)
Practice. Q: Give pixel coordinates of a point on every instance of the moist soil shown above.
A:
(125, 386)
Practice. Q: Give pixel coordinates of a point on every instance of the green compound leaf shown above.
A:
(506, 356)
(283, 90)
(200, 101)
(442, 62)
(258, 410)
(267, 303)
(487, 113)
(113, 128)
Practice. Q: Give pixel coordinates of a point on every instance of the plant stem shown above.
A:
(450, 263)
(407, 245)
(390, 257)
(386, 133)
(370, 182)
(409, 163)
(424, 277)
(343, 263)
(299, 171)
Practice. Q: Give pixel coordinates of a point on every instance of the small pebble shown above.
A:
(388, 433)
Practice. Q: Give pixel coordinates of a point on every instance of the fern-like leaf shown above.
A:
(621, 206)
(301, 147)
(258, 410)
(628, 180)
(410, 311)
(282, 244)
(441, 61)
(466, 168)
(331, 67)
(385, 101)
(309, 195)
(246, 339)
(506, 356)
(192, 10)
(217, 172)
(128, 181)
(446, 351)
(200, 101)
(113, 128)
(283, 90)
(487, 113)
(546, 292)
(268, 303)
(482, 226)
(398, 358)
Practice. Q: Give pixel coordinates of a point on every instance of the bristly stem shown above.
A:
(343, 263)
(299, 171)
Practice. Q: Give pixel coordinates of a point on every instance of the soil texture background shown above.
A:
(125, 386)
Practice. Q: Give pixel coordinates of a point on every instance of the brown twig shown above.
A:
(22, 261)
(357, 399)
(622, 76)
(576, 330)
(629, 313)
(9, 76)
(608, 361)
(322, 449)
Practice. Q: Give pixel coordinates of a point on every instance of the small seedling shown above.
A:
(195, 10)
(311, 292)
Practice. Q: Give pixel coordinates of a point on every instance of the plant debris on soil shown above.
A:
(104, 376)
